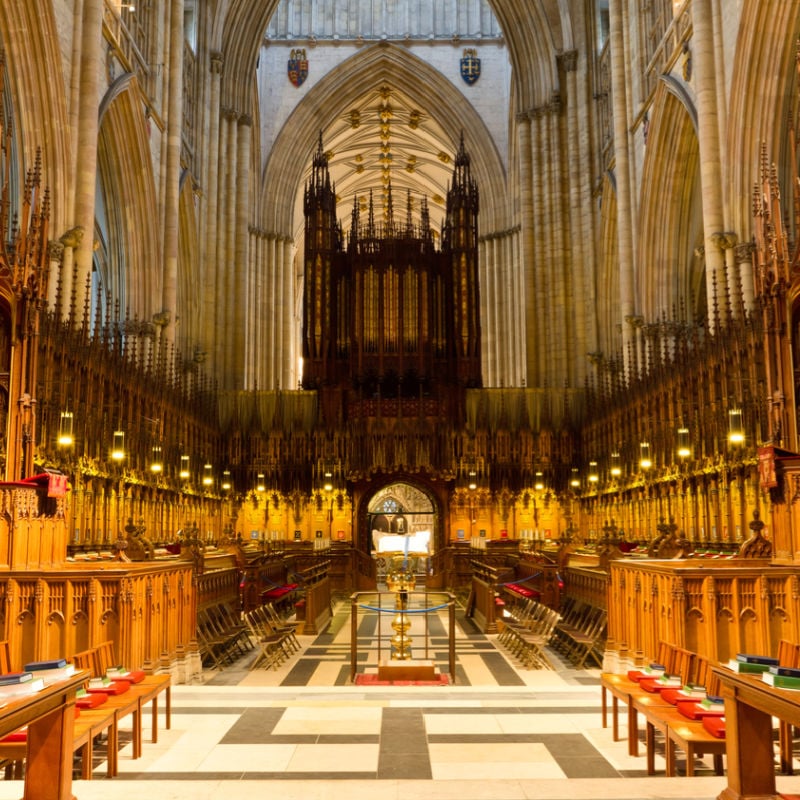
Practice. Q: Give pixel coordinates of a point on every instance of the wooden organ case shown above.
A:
(387, 314)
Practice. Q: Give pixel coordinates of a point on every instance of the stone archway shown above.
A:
(400, 515)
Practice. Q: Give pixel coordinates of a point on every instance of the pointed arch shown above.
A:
(672, 280)
(127, 185)
(384, 63)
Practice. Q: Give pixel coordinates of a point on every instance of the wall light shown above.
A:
(575, 478)
(156, 465)
(226, 480)
(645, 462)
(539, 482)
(594, 475)
(735, 426)
(684, 445)
(118, 446)
(615, 469)
(260, 485)
(184, 473)
(208, 475)
(65, 437)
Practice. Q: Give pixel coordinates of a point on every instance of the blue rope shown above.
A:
(404, 610)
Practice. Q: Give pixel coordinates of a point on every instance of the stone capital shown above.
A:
(568, 60)
(724, 240)
(73, 237)
(216, 62)
(55, 250)
(743, 252)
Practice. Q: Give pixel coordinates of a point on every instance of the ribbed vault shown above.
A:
(354, 82)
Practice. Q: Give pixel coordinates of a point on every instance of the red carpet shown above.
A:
(371, 679)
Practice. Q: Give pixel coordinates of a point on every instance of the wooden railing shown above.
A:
(713, 608)
(314, 609)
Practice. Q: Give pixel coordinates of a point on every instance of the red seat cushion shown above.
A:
(92, 700)
(715, 726)
(112, 687)
(131, 676)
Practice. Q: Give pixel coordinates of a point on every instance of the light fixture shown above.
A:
(327, 483)
(735, 426)
(539, 482)
(575, 478)
(208, 476)
(226, 480)
(184, 471)
(65, 437)
(472, 481)
(156, 465)
(684, 445)
(260, 485)
(615, 468)
(645, 461)
(594, 476)
(118, 447)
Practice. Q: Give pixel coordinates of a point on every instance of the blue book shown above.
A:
(57, 663)
(788, 672)
(751, 659)
(11, 678)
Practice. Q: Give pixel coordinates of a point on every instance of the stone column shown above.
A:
(569, 63)
(169, 299)
(561, 341)
(227, 264)
(241, 318)
(272, 285)
(527, 248)
(55, 255)
(743, 258)
(91, 70)
(709, 145)
(627, 267)
(291, 329)
(211, 304)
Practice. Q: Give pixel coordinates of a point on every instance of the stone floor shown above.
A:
(304, 730)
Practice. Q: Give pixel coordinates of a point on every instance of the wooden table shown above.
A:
(50, 717)
(750, 705)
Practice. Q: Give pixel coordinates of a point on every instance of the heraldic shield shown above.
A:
(470, 66)
(297, 68)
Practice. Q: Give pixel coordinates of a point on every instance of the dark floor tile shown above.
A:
(254, 726)
(301, 672)
(408, 766)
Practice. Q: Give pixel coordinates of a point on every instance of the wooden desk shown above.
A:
(50, 717)
(750, 705)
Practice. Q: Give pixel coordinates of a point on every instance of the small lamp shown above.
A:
(184, 470)
(260, 485)
(684, 446)
(226, 480)
(208, 476)
(645, 462)
(327, 483)
(538, 484)
(575, 478)
(65, 436)
(615, 469)
(472, 480)
(735, 426)
(118, 446)
(594, 475)
(156, 465)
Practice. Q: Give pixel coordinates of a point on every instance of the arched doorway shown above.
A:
(401, 517)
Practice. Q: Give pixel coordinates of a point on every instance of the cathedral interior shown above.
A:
(495, 299)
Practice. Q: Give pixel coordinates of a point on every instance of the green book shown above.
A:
(748, 667)
(781, 681)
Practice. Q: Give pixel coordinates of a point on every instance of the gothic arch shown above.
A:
(29, 35)
(125, 176)
(763, 98)
(535, 32)
(393, 65)
(369, 493)
(672, 278)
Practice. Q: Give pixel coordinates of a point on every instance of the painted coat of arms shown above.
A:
(470, 66)
(297, 68)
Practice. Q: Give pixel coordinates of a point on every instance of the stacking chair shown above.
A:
(272, 645)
